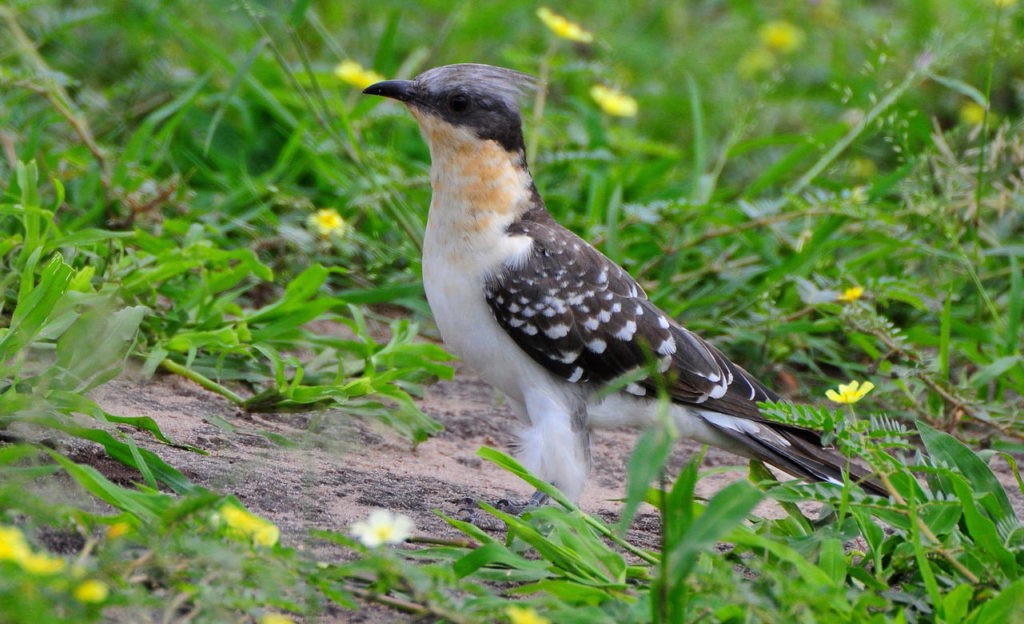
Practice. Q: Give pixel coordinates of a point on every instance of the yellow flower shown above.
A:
(276, 618)
(562, 27)
(356, 75)
(613, 102)
(754, 62)
(14, 547)
(863, 168)
(851, 294)
(857, 195)
(525, 615)
(91, 591)
(42, 564)
(118, 529)
(383, 527)
(850, 393)
(781, 36)
(327, 222)
(972, 114)
(1003, 4)
(249, 526)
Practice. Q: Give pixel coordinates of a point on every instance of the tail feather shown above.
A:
(794, 450)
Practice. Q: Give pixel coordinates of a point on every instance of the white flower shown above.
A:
(383, 527)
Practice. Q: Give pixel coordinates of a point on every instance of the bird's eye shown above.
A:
(458, 102)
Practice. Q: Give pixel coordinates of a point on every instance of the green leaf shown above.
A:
(34, 310)
(494, 554)
(92, 351)
(1006, 606)
(147, 506)
(956, 602)
(944, 447)
(645, 463)
(832, 560)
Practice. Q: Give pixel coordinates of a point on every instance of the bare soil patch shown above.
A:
(335, 469)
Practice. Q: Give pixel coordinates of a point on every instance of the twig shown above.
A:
(761, 222)
(437, 541)
(406, 606)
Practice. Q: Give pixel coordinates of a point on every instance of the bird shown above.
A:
(550, 321)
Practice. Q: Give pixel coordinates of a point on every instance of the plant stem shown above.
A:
(540, 100)
(890, 98)
(202, 380)
(927, 532)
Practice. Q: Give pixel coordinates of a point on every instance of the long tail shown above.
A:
(795, 450)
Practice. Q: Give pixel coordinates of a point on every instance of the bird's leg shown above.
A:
(538, 499)
(471, 512)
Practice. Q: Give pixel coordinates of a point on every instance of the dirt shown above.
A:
(337, 469)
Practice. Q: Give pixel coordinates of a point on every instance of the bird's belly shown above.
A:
(469, 330)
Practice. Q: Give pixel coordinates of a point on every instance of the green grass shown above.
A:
(159, 166)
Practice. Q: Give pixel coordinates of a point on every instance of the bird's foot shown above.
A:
(470, 511)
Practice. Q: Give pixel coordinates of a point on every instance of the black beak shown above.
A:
(401, 90)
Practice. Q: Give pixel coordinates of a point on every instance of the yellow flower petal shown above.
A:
(42, 564)
(563, 27)
(972, 114)
(614, 102)
(1003, 4)
(249, 526)
(91, 592)
(118, 529)
(781, 36)
(850, 294)
(756, 61)
(850, 393)
(276, 618)
(13, 546)
(524, 615)
(863, 168)
(327, 222)
(356, 75)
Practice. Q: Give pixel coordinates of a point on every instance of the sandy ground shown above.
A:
(339, 468)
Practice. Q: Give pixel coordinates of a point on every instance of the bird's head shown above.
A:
(465, 100)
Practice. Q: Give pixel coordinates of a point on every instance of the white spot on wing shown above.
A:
(592, 323)
(597, 345)
(604, 316)
(667, 346)
(530, 330)
(557, 331)
(569, 357)
(665, 363)
(636, 390)
(577, 374)
(662, 322)
(627, 331)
